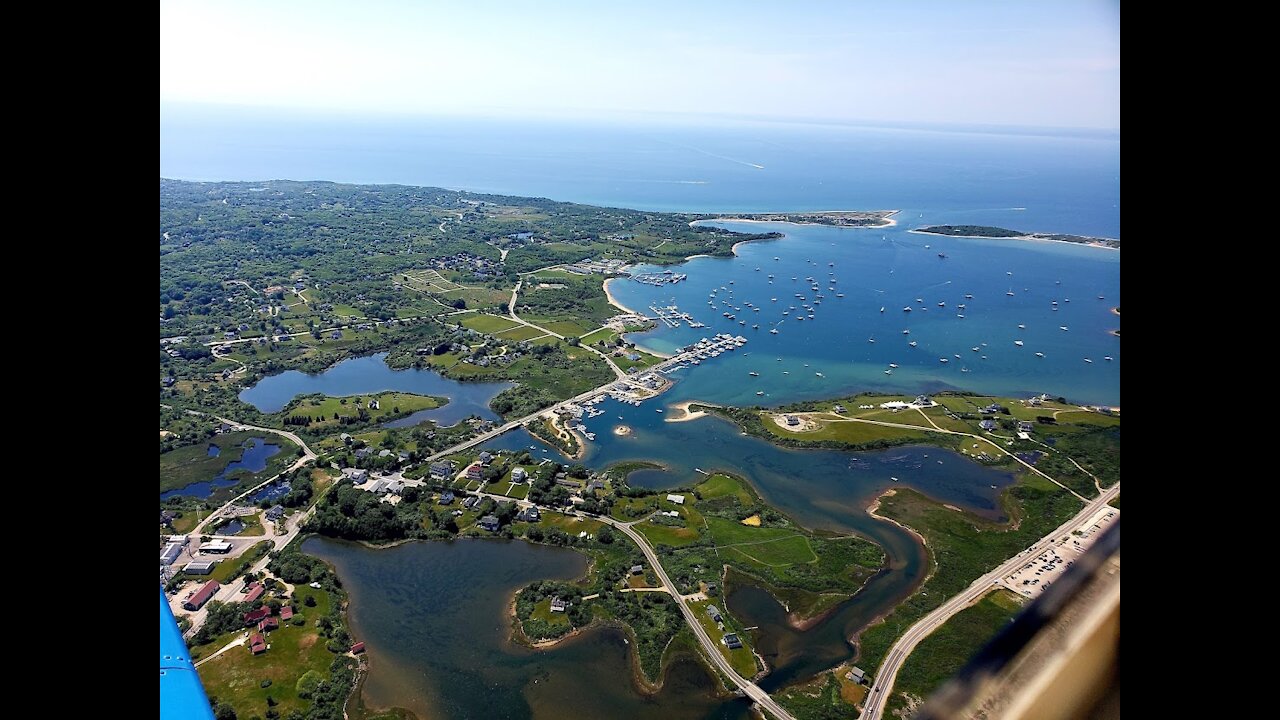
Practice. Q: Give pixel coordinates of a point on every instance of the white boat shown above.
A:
(819, 374)
(759, 392)
(957, 356)
(893, 365)
(975, 349)
(912, 343)
(774, 331)
(906, 332)
(1088, 361)
(753, 373)
(893, 478)
(1018, 343)
(881, 309)
(1039, 354)
(1063, 328)
(906, 309)
(945, 360)
(888, 372)
(1022, 327)
(871, 340)
(1107, 358)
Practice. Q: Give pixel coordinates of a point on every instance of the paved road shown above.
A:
(888, 672)
(511, 309)
(748, 688)
(944, 431)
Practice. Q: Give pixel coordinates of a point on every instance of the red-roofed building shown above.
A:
(253, 616)
(257, 644)
(255, 592)
(270, 623)
(357, 648)
(286, 612)
(197, 601)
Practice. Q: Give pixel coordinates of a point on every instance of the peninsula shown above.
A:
(999, 233)
(837, 218)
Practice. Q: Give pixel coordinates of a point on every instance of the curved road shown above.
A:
(897, 655)
(711, 650)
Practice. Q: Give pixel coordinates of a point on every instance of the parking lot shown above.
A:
(1040, 571)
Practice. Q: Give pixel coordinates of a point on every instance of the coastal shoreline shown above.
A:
(1027, 238)
(686, 414)
(614, 301)
(889, 220)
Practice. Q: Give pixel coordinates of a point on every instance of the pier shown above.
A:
(672, 316)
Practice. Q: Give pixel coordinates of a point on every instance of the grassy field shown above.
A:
(390, 404)
(236, 676)
(946, 649)
(742, 659)
(542, 611)
(776, 547)
(667, 535)
(646, 360)
(625, 508)
(229, 569)
(1115, 503)
(851, 432)
(191, 464)
(721, 485)
(567, 328)
(520, 332)
(490, 324)
(605, 334)
(962, 547)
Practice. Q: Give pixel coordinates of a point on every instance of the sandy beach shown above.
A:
(1027, 238)
(614, 301)
(888, 218)
(684, 414)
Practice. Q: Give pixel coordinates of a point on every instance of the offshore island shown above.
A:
(441, 324)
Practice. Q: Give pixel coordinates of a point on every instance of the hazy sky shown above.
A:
(1040, 62)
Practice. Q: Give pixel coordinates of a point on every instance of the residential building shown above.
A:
(255, 592)
(489, 522)
(357, 648)
(257, 644)
(286, 612)
(732, 641)
(677, 499)
(201, 596)
(1026, 427)
(792, 420)
(446, 497)
(714, 612)
(253, 617)
(855, 674)
(558, 605)
(275, 513)
(519, 475)
(988, 425)
(475, 471)
(359, 476)
(441, 470)
(485, 457)
(637, 569)
(268, 624)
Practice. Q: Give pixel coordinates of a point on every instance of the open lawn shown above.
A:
(542, 611)
(646, 360)
(236, 677)
(519, 332)
(721, 485)
(605, 334)
(490, 324)
(390, 404)
(666, 535)
(230, 568)
(630, 508)
(571, 525)
(853, 432)
(567, 328)
(775, 547)
(742, 659)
